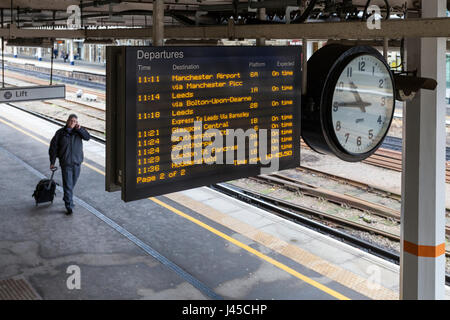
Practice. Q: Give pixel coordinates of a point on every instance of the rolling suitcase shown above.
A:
(45, 190)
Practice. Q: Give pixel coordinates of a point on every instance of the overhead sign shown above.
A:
(183, 117)
(16, 94)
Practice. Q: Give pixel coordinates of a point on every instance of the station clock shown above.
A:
(350, 101)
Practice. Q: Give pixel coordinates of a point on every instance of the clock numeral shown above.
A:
(338, 126)
(381, 84)
(336, 106)
(371, 134)
(380, 121)
(359, 141)
(340, 87)
(383, 101)
(362, 66)
(349, 72)
(347, 135)
(373, 71)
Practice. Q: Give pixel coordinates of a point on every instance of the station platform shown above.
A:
(59, 64)
(195, 244)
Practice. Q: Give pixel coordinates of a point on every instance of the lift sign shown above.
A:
(16, 94)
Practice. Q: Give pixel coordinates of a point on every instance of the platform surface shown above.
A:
(195, 244)
(59, 64)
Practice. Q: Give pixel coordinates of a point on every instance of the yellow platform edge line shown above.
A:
(253, 251)
(215, 231)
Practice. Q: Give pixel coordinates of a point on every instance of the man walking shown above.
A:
(67, 145)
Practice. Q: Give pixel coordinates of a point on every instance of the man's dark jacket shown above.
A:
(68, 146)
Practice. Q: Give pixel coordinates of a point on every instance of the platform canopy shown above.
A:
(210, 19)
(178, 12)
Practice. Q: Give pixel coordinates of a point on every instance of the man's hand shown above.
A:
(77, 126)
(52, 166)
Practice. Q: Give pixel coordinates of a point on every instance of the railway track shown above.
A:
(82, 79)
(329, 219)
(96, 115)
(70, 88)
(389, 159)
(313, 219)
(392, 160)
(293, 184)
(85, 105)
(358, 184)
(98, 134)
(69, 106)
(331, 196)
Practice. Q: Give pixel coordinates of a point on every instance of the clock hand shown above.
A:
(355, 104)
(355, 92)
(357, 96)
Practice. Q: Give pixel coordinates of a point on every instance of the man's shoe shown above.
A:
(69, 211)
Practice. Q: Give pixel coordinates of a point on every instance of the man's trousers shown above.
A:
(70, 176)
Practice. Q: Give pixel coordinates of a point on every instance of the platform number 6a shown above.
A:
(74, 20)
(74, 280)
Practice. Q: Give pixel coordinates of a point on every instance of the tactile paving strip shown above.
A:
(17, 289)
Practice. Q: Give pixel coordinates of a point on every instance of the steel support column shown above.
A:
(39, 54)
(71, 57)
(261, 16)
(309, 49)
(422, 262)
(304, 66)
(91, 53)
(158, 23)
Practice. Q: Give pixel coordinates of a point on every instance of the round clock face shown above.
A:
(362, 104)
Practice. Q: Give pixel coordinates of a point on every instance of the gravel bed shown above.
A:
(365, 218)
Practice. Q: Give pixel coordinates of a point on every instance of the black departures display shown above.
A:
(184, 117)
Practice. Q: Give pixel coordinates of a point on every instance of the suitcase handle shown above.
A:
(51, 178)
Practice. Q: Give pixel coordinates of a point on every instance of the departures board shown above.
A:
(184, 117)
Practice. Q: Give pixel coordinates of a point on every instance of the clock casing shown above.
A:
(366, 111)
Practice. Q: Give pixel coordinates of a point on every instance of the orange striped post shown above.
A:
(422, 259)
